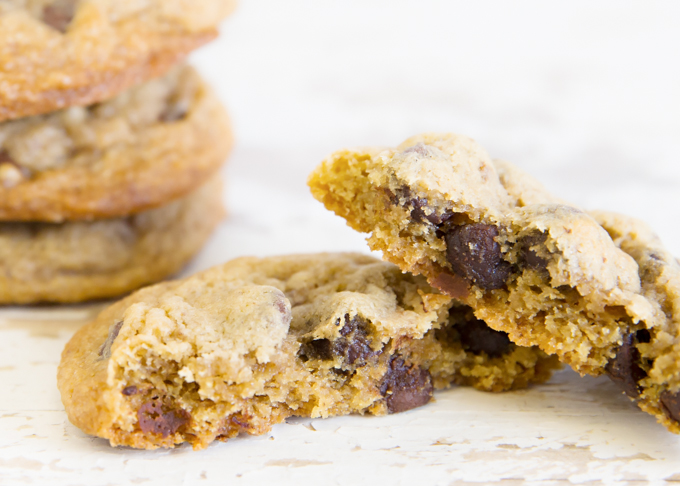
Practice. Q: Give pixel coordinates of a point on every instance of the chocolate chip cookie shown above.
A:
(242, 346)
(147, 146)
(527, 263)
(78, 261)
(60, 53)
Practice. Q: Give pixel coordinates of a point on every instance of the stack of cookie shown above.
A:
(109, 145)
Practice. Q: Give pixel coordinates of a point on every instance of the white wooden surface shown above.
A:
(586, 95)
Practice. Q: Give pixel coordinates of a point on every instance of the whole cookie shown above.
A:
(142, 149)
(243, 346)
(59, 53)
(78, 261)
(547, 273)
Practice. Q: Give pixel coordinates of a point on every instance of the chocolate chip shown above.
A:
(405, 386)
(452, 285)
(317, 349)
(477, 337)
(59, 14)
(156, 418)
(174, 112)
(5, 158)
(624, 368)
(105, 350)
(130, 390)
(670, 403)
(474, 254)
(353, 345)
(529, 257)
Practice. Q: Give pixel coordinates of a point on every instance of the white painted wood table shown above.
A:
(584, 95)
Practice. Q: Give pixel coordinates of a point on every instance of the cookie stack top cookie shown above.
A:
(59, 53)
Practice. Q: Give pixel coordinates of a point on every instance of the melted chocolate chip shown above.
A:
(130, 390)
(155, 418)
(418, 206)
(670, 403)
(353, 346)
(5, 158)
(405, 386)
(452, 285)
(529, 258)
(624, 368)
(59, 14)
(317, 349)
(105, 350)
(474, 254)
(477, 337)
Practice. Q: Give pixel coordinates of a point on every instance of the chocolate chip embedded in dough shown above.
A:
(130, 390)
(529, 257)
(474, 254)
(417, 205)
(405, 386)
(477, 337)
(105, 350)
(670, 403)
(155, 418)
(317, 349)
(353, 345)
(59, 14)
(452, 285)
(174, 112)
(624, 368)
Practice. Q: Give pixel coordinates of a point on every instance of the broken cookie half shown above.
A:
(597, 290)
(245, 345)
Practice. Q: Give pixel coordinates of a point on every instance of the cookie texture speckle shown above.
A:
(60, 53)
(242, 346)
(145, 147)
(582, 286)
(78, 261)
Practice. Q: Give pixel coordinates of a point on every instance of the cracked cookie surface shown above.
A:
(527, 263)
(242, 346)
(60, 53)
(147, 146)
(78, 261)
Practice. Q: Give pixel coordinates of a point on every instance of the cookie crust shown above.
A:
(142, 149)
(79, 261)
(101, 48)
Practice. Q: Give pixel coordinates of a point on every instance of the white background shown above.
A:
(583, 94)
